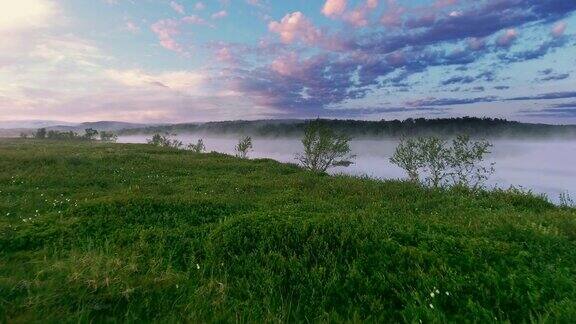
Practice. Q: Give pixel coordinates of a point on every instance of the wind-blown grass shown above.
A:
(113, 232)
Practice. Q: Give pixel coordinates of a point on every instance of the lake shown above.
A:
(546, 167)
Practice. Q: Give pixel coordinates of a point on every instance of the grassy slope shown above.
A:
(132, 232)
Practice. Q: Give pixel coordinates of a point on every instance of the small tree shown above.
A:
(466, 162)
(566, 200)
(90, 134)
(108, 136)
(199, 147)
(156, 140)
(408, 157)
(244, 147)
(434, 163)
(435, 156)
(323, 148)
(40, 133)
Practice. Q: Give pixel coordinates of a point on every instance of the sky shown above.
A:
(164, 61)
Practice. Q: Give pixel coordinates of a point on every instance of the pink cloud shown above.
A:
(476, 44)
(359, 16)
(287, 65)
(296, 26)
(372, 4)
(178, 7)
(422, 16)
(131, 27)
(396, 59)
(333, 8)
(195, 20)
(199, 6)
(507, 38)
(445, 3)
(224, 54)
(220, 14)
(166, 30)
(393, 16)
(559, 29)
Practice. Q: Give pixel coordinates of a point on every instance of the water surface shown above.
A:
(546, 167)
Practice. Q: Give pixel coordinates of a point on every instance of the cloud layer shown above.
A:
(226, 60)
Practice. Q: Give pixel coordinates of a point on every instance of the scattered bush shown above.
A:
(132, 234)
(90, 134)
(108, 137)
(199, 147)
(566, 200)
(165, 141)
(65, 136)
(434, 163)
(323, 148)
(40, 133)
(244, 147)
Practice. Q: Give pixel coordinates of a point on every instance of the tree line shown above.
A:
(90, 134)
(411, 127)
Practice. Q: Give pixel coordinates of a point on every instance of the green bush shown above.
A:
(199, 147)
(323, 148)
(435, 163)
(244, 147)
(164, 141)
(108, 137)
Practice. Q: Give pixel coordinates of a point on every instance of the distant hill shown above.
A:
(32, 124)
(478, 127)
(100, 126)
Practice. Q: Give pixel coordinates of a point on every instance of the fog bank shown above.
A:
(546, 167)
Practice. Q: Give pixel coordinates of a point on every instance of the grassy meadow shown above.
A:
(95, 232)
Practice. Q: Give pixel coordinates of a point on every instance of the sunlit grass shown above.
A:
(137, 233)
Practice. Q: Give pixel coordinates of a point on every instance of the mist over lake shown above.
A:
(545, 167)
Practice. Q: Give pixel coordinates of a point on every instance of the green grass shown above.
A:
(133, 233)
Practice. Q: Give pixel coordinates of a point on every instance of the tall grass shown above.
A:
(112, 232)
